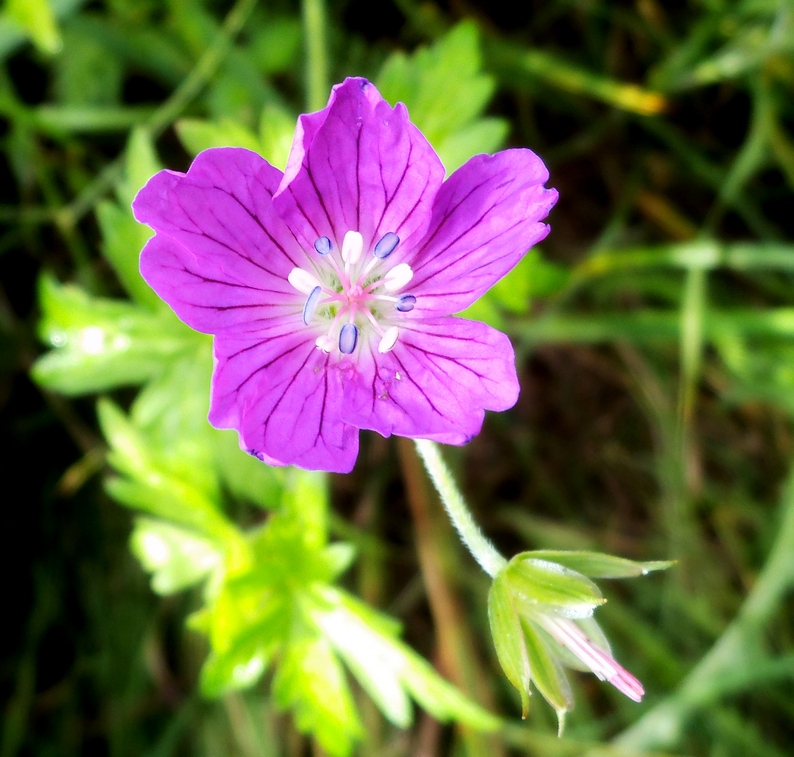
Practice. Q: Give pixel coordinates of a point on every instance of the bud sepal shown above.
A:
(540, 609)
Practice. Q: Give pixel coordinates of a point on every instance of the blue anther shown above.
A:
(323, 246)
(406, 303)
(348, 338)
(311, 304)
(386, 245)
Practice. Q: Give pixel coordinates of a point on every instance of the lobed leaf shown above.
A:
(176, 558)
(101, 343)
(311, 682)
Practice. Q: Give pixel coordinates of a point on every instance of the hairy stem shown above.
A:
(483, 551)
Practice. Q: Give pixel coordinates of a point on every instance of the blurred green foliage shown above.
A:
(654, 331)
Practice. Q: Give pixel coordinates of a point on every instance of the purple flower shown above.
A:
(330, 288)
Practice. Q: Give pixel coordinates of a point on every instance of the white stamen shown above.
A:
(398, 277)
(389, 340)
(325, 342)
(302, 280)
(352, 247)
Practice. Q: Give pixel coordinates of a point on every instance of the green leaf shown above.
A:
(532, 277)
(549, 587)
(243, 475)
(305, 501)
(387, 668)
(508, 638)
(150, 486)
(123, 239)
(175, 557)
(445, 92)
(373, 660)
(485, 135)
(101, 343)
(599, 565)
(310, 680)
(171, 412)
(339, 557)
(276, 129)
(197, 135)
(38, 21)
(247, 624)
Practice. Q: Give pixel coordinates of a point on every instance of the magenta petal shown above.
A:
(207, 298)
(485, 218)
(221, 254)
(436, 382)
(256, 257)
(277, 391)
(359, 165)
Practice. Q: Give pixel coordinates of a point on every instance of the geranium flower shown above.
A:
(330, 288)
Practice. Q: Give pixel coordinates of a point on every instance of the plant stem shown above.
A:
(316, 54)
(483, 551)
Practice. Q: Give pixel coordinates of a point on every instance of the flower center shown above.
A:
(349, 293)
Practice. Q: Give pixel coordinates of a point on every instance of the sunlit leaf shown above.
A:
(445, 91)
(197, 135)
(176, 558)
(387, 668)
(101, 343)
(37, 19)
(311, 682)
(150, 486)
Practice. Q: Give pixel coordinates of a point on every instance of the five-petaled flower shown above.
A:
(331, 288)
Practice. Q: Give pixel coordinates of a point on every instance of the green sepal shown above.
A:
(600, 565)
(508, 637)
(547, 674)
(541, 585)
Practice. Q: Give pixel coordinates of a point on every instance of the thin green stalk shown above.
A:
(662, 727)
(483, 551)
(314, 30)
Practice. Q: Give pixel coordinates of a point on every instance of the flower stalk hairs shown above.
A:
(331, 288)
